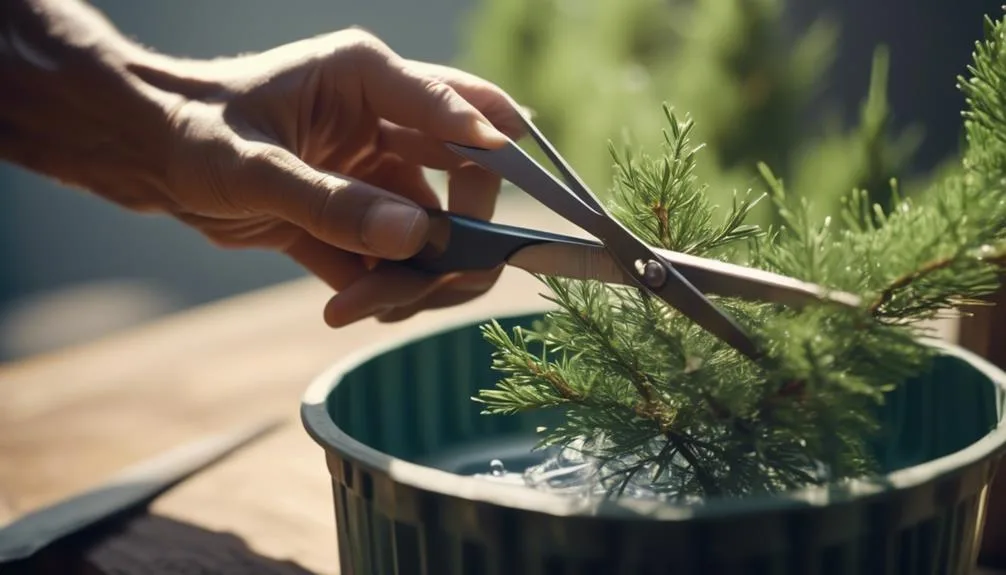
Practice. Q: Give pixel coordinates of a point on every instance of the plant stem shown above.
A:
(906, 280)
(701, 475)
(650, 409)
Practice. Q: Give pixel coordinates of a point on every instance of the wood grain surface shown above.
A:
(69, 420)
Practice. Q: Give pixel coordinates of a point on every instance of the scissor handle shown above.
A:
(461, 244)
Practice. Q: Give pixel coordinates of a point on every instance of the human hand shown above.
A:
(314, 148)
(317, 148)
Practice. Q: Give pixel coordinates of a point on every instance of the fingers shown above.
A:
(361, 293)
(384, 289)
(421, 106)
(494, 103)
(394, 293)
(337, 268)
(460, 290)
(405, 179)
(404, 95)
(348, 214)
(418, 148)
(473, 191)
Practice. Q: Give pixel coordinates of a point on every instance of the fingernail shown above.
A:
(489, 134)
(393, 229)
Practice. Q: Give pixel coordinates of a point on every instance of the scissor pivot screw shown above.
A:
(653, 273)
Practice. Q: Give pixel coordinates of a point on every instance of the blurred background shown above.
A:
(831, 94)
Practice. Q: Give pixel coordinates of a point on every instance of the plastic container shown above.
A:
(401, 437)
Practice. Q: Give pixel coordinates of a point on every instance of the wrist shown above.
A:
(73, 109)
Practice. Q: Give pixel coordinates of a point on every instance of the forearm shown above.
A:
(72, 106)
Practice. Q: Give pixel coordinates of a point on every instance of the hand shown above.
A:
(317, 149)
(314, 148)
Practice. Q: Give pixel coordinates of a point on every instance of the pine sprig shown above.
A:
(660, 402)
(660, 200)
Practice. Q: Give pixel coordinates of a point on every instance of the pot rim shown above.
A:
(321, 428)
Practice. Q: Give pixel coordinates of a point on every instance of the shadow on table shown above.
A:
(155, 545)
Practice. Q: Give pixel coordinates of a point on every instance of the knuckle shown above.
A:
(362, 47)
(440, 93)
(324, 209)
(440, 97)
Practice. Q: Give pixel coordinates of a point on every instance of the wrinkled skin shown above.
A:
(310, 136)
(292, 149)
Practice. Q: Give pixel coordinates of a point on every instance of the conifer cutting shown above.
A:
(656, 401)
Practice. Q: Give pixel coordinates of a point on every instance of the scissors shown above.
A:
(460, 244)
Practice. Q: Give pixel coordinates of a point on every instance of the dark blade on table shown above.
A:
(586, 261)
(127, 491)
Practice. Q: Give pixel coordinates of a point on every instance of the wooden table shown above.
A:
(70, 419)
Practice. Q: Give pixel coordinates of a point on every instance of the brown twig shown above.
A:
(933, 266)
(558, 383)
(905, 280)
(665, 225)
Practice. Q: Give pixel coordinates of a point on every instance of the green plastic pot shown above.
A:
(401, 437)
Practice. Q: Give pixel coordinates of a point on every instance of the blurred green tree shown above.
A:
(596, 71)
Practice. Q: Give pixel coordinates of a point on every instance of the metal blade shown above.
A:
(129, 490)
(594, 262)
(575, 184)
(517, 167)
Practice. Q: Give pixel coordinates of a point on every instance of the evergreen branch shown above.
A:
(907, 280)
(678, 408)
(705, 479)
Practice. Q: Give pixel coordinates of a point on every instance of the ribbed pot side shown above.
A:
(389, 418)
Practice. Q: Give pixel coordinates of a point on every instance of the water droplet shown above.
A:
(496, 468)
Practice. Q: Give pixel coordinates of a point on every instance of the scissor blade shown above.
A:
(517, 167)
(129, 490)
(594, 262)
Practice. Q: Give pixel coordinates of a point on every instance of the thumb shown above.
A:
(343, 212)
